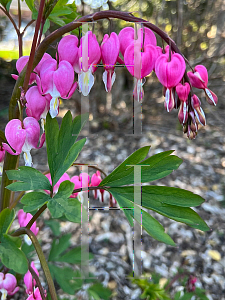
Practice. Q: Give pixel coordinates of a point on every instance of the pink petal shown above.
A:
(63, 78)
(183, 91)
(91, 54)
(39, 65)
(126, 38)
(15, 136)
(110, 48)
(32, 128)
(68, 49)
(36, 103)
(171, 72)
(138, 63)
(46, 75)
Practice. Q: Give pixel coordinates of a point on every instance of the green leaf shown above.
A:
(60, 11)
(34, 200)
(157, 197)
(187, 296)
(157, 167)
(73, 256)
(162, 194)
(30, 4)
(6, 218)
(6, 3)
(133, 159)
(11, 256)
(59, 246)
(62, 204)
(66, 278)
(61, 147)
(57, 20)
(151, 225)
(54, 225)
(98, 291)
(27, 179)
(46, 26)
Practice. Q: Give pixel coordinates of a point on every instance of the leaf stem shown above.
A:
(44, 264)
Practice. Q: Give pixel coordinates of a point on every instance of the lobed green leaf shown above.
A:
(34, 200)
(27, 179)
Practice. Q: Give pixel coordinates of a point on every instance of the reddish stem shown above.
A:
(33, 48)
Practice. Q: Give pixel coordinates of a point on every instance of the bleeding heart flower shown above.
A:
(21, 63)
(77, 185)
(64, 177)
(127, 38)
(23, 137)
(95, 181)
(8, 285)
(56, 81)
(139, 64)
(24, 219)
(36, 295)
(170, 74)
(110, 49)
(183, 92)
(89, 56)
(68, 50)
(199, 79)
(29, 280)
(37, 106)
(199, 113)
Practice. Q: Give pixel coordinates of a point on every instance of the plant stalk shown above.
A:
(44, 264)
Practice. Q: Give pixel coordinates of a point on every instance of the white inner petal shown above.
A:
(86, 81)
(28, 159)
(54, 104)
(4, 294)
(104, 78)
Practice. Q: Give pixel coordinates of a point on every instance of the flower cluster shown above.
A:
(84, 181)
(55, 79)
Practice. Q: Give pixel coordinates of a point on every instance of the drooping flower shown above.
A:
(56, 81)
(2, 157)
(139, 64)
(110, 49)
(183, 92)
(89, 56)
(95, 181)
(199, 79)
(127, 38)
(36, 295)
(170, 74)
(64, 177)
(68, 50)
(8, 285)
(77, 185)
(29, 280)
(37, 106)
(24, 219)
(21, 63)
(23, 137)
(199, 113)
